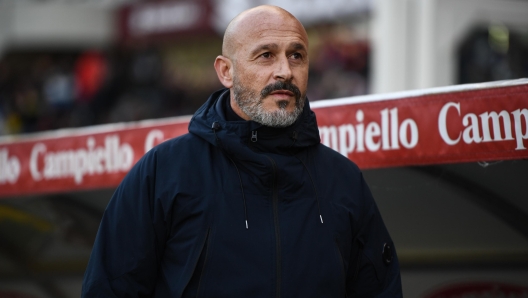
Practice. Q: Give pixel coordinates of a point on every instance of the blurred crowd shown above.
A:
(51, 90)
(492, 54)
(46, 90)
(339, 64)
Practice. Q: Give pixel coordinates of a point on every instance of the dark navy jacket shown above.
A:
(236, 209)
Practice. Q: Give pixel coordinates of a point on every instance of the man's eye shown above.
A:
(296, 56)
(266, 55)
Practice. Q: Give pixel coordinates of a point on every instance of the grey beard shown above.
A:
(251, 104)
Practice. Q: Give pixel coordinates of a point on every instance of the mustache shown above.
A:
(281, 85)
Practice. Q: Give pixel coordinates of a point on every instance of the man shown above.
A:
(249, 203)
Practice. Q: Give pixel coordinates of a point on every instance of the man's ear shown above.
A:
(223, 67)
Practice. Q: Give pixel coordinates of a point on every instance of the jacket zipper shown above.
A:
(277, 225)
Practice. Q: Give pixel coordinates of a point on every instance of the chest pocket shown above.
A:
(193, 287)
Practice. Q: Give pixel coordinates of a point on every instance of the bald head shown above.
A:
(250, 23)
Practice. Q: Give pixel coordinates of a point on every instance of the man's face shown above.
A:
(270, 71)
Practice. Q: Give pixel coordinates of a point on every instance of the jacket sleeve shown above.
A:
(375, 266)
(129, 243)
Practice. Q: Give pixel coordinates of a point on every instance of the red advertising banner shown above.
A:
(482, 122)
(87, 158)
(443, 125)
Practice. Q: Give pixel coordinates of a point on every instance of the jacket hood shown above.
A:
(209, 122)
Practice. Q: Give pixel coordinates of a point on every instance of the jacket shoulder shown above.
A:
(168, 150)
(328, 157)
(168, 160)
(184, 142)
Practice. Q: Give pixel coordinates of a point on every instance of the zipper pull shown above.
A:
(294, 135)
(254, 136)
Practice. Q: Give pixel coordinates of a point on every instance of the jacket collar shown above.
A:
(238, 136)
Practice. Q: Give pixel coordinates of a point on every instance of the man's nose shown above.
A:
(283, 69)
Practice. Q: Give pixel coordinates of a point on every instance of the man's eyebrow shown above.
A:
(264, 47)
(298, 47)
